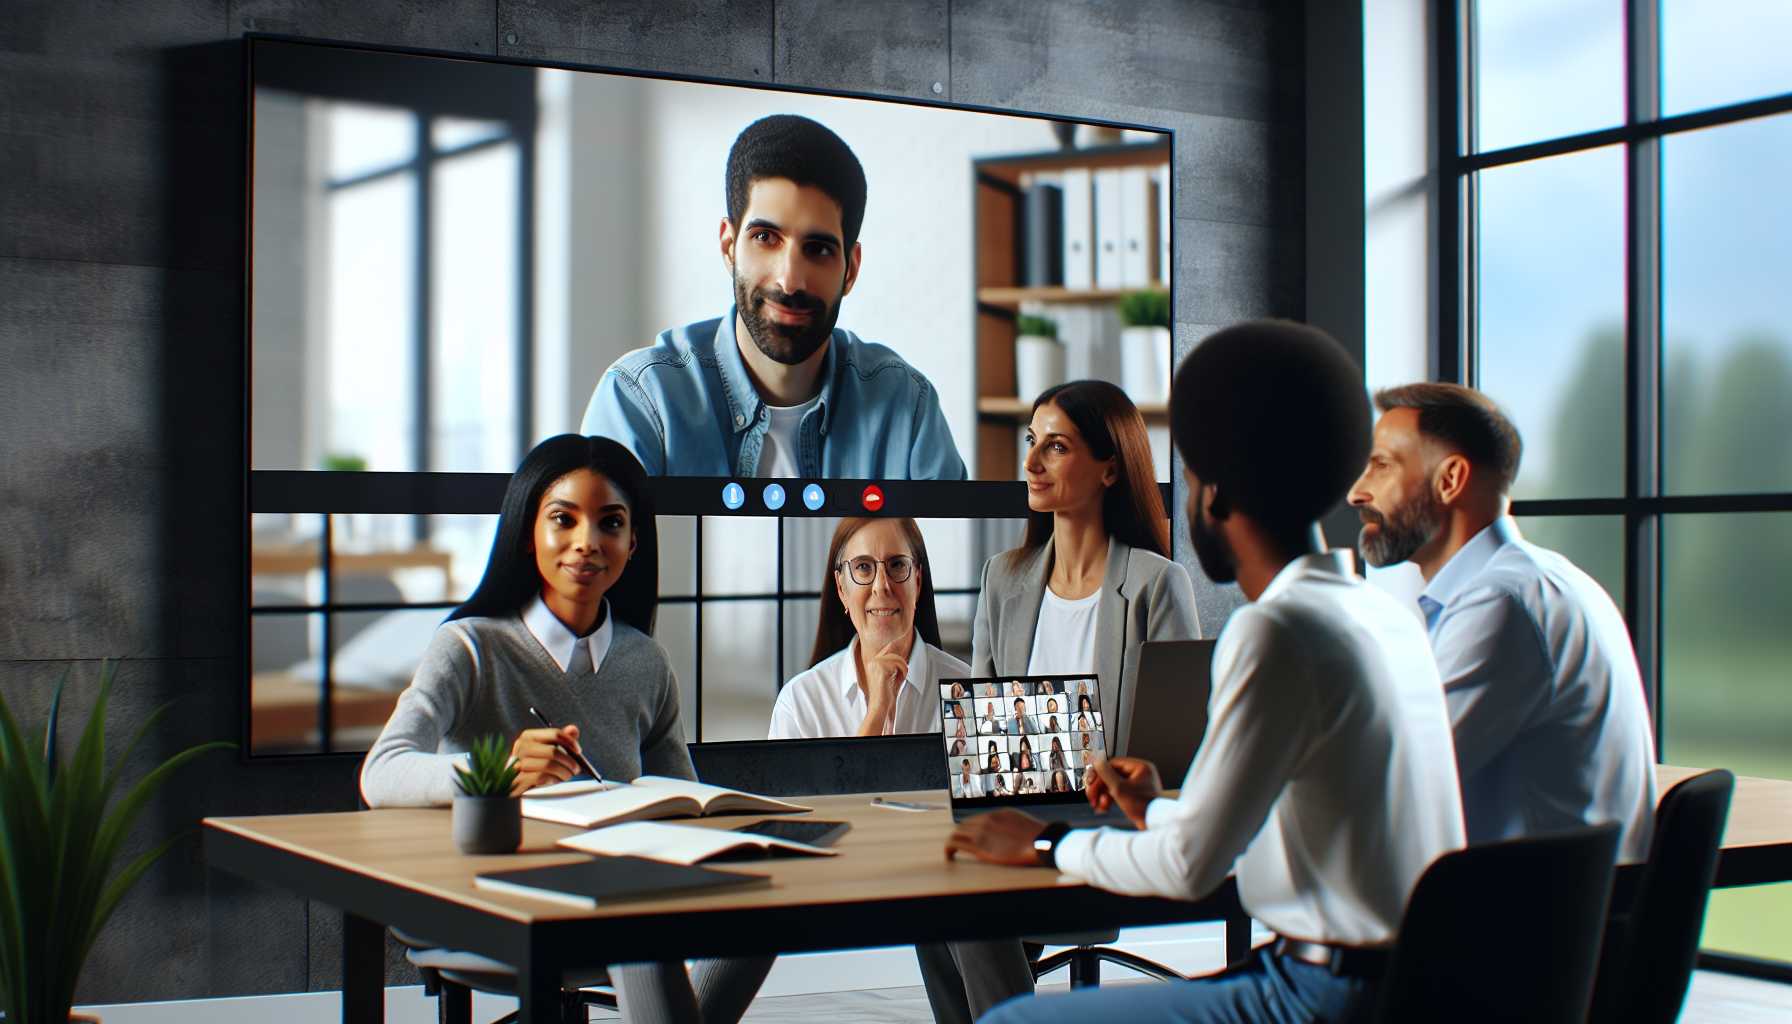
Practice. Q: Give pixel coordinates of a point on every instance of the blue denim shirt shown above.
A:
(686, 407)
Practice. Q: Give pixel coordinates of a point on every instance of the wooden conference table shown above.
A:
(891, 885)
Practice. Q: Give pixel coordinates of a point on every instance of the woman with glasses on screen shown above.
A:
(561, 622)
(1091, 581)
(877, 663)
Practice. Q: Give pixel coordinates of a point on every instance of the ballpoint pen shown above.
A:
(583, 763)
(905, 805)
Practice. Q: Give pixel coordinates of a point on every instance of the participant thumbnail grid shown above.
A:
(1020, 737)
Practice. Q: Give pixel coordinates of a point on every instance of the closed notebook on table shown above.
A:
(681, 844)
(601, 881)
(650, 796)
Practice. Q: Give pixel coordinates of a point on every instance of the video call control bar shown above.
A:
(322, 491)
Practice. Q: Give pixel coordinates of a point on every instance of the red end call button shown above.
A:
(873, 498)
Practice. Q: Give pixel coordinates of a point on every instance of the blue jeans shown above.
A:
(1262, 989)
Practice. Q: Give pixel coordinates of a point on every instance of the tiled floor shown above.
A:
(1714, 999)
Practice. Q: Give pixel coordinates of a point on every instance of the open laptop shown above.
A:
(1023, 742)
(1168, 716)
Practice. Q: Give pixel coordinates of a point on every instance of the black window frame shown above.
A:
(1455, 350)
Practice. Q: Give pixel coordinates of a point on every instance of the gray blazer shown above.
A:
(1144, 596)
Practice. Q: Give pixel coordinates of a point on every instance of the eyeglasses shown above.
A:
(864, 570)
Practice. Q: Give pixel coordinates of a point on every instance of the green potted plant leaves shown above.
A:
(60, 831)
(488, 816)
(1145, 346)
(1038, 356)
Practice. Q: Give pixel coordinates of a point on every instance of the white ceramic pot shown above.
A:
(1038, 364)
(1145, 364)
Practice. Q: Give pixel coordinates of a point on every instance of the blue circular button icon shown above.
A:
(774, 496)
(734, 496)
(813, 497)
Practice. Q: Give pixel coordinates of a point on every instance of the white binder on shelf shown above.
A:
(1109, 231)
(1079, 229)
(1165, 272)
(1138, 228)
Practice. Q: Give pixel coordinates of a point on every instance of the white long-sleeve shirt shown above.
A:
(1544, 691)
(827, 700)
(1327, 774)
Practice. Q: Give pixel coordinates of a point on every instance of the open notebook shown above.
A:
(679, 844)
(650, 796)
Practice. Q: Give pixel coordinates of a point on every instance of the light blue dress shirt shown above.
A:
(1546, 700)
(686, 407)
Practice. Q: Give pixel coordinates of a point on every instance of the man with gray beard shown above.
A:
(1545, 696)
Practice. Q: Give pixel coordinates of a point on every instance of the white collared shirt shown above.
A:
(1552, 730)
(827, 700)
(1326, 781)
(558, 641)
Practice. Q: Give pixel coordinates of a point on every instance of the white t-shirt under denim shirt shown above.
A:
(779, 457)
(1064, 640)
(1326, 781)
(827, 701)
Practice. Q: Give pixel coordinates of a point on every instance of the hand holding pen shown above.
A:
(548, 755)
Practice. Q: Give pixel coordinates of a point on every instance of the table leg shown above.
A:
(538, 990)
(363, 970)
(1238, 934)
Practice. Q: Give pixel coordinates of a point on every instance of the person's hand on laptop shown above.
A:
(999, 837)
(1129, 783)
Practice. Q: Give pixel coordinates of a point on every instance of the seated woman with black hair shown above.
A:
(562, 622)
(877, 663)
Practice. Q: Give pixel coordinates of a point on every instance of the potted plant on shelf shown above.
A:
(1038, 356)
(488, 816)
(1145, 346)
(60, 831)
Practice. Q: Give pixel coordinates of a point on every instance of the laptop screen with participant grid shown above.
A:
(1019, 740)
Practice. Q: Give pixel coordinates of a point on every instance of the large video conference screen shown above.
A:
(760, 291)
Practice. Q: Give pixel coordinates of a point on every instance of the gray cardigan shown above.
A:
(1144, 596)
(481, 676)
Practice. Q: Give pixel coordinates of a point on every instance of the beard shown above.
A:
(1402, 532)
(1211, 549)
(789, 344)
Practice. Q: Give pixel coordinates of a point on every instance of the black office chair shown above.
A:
(1652, 944)
(1505, 931)
(1085, 956)
(452, 976)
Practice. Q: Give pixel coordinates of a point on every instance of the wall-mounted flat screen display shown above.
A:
(796, 306)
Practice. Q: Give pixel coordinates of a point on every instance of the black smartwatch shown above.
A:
(1045, 846)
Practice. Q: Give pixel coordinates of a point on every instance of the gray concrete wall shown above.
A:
(121, 293)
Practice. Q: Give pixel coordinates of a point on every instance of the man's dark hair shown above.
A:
(1274, 414)
(806, 152)
(1466, 421)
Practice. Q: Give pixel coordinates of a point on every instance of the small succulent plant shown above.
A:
(489, 770)
(1036, 326)
(1145, 309)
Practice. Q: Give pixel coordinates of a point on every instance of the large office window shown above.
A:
(1614, 254)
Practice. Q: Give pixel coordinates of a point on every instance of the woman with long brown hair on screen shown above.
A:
(1091, 581)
